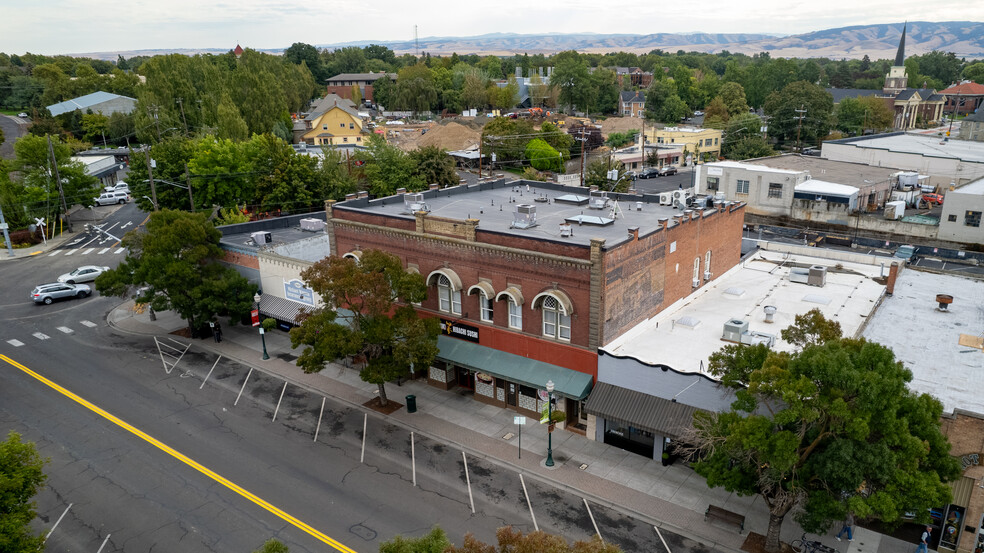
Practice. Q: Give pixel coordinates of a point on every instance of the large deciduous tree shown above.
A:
(174, 264)
(802, 110)
(831, 427)
(859, 114)
(379, 327)
(21, 477)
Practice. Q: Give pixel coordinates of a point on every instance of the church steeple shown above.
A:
(900, 55)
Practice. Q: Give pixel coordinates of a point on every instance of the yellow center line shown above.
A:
(290, 519)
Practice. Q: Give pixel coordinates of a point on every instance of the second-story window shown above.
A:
(449, 299)
(485, 307)
(556, 324)
(515, 315)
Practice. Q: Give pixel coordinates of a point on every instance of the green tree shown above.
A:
(597, 175)
(96, 125)
(943, 67)
(571, 78)
(21, 477)
(273, 546)
(175, 265)
(749, 147)
(37, 184)
(787, 106)
(539, 541)
(415, 89)
(333, 180)
(663, 104)
(223, 170)
(716, 114)
(859, 114)
(379, 328)
(435, 541)
(974, 72)
(434, 166)
(543, 157)
(387, 168)
(507, 138)
(831, 427)
(733, 96)
(285, 180)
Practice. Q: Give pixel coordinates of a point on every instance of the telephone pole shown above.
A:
(61, 191)
(582, 154)
(150, 179)
(157, 123)
(190, 197)
(183, 120)
(799, 125)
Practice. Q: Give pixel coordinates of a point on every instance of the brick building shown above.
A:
(342, 84)
(964, 430)
(530, 278)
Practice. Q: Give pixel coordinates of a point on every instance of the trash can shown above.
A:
(411, 404)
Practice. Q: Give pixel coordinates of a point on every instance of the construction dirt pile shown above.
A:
(447, 136)
(620, 124)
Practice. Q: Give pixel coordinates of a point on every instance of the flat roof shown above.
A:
(494, 204)
(815, 186)
(747, 165)
(974, 187)
(286, 237)
(685, 334)
(928, 341)
(913, 143)
(842, 172)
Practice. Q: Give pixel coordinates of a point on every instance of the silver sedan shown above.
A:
(83, 274)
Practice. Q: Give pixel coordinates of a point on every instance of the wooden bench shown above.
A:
(724, 515)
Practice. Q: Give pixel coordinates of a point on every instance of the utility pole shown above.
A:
(150, 178)
(61, 191)
(6, 235)
(157, 123)
(190, 197)
(799, 125)
(481, 140)
(582, 154)
(183, 120)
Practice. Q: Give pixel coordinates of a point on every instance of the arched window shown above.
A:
(515, 315)
(556, 323)
(449, 299)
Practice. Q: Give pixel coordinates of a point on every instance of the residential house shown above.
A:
(963, 98)
(972, 127)
(699, 145)
(333, 122)
(632, 104)
(636, 76)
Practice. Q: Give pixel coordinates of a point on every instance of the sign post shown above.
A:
(519, 422)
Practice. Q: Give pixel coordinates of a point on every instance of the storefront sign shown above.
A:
(971, 460)
(484, 378)
(459, 330)
(294, 290)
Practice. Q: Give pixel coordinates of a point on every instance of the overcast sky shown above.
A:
(75, 26)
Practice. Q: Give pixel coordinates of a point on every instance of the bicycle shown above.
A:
(804, 545)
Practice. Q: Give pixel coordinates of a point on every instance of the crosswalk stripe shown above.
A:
(88, 251)
(70, 252)
(66, 330)
(56, 252)
(15, 343)
(40, 336)
(104, 250)
(89, 324)
(120, 250)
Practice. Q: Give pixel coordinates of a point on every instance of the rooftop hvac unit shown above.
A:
(818, 276)
(908, 179)
(800, 275)
(260, 238)
(414, 203)
(525, 216)
(598, 200)
(312, 225)
(666, 198)
(733, 329)
(566, 230)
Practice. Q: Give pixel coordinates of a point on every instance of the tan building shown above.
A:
(699, 145)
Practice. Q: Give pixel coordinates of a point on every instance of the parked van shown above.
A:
(110, 198)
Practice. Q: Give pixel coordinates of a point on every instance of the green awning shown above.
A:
(516, 368)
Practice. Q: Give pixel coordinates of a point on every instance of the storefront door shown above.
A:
(629, 438)
(511, 393)
(465, 378)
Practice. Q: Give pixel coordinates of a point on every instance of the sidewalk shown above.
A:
(673, 498)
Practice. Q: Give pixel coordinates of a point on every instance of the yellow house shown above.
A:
(336, 126)
(698, 144)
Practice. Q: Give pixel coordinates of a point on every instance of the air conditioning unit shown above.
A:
(312, 225)
(260, 238)
(817, 276)
(734, 329)
(707, 275)
(696, 283)
(414, 203)
(598, 200)
(666, 198)
(525, 216)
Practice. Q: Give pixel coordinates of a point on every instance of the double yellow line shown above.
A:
(286, 517)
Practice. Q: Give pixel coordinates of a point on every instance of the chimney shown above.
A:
(363, 193)
(401, 191)
(893, 274)
(634, 233)
(434, 186)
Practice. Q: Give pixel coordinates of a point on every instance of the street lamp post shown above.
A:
(550, 389)
(266, 355)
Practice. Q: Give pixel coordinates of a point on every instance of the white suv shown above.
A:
(110, 198)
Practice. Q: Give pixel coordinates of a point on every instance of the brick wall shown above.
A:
(241, 259)
(965, 431)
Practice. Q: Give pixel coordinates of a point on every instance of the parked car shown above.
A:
(47, 293)
(649, 173)
(110, 198)
(906, 253)
(667, 170)
(698, 112)
(22, 114)
(85, 273)
(118, 187)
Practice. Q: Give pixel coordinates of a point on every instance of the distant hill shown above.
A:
(963, 38)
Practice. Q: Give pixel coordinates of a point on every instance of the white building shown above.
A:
(961, 218)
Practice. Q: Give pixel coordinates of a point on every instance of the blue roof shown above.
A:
(84, 102)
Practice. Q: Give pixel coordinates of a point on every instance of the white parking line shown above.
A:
(66, 330)
(88, 251)
(89, 324)
(40, 336)
(15, 343)
(104, 250)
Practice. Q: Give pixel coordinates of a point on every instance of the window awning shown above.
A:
(280, 308)
(643, 411)
(484, 287)
(566, 305)
(516, 368)
(512, 293)
(451, 276)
